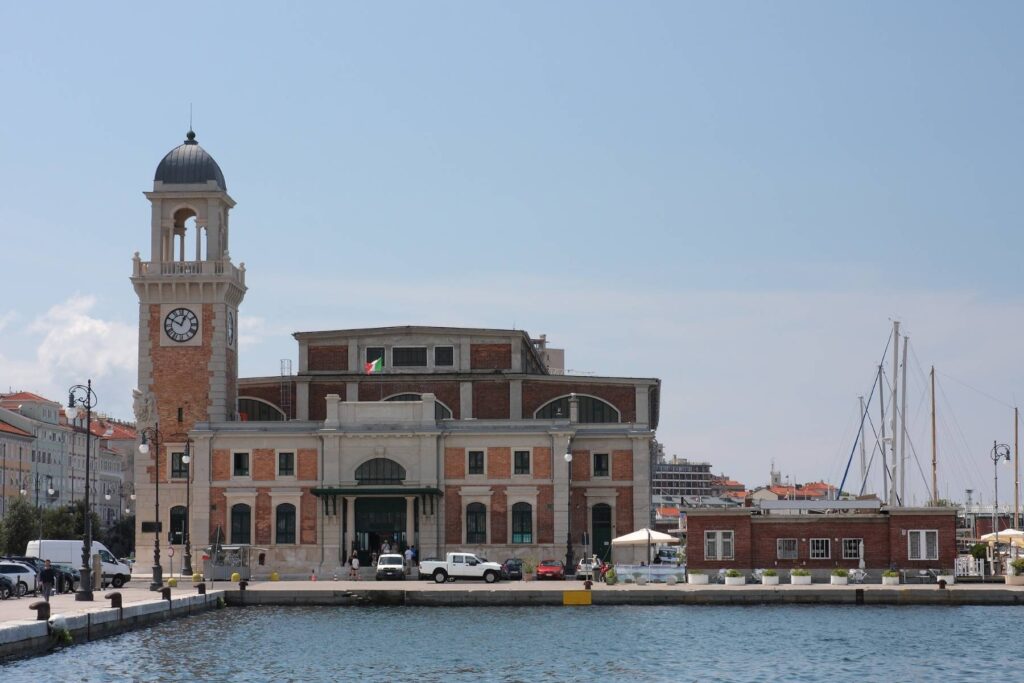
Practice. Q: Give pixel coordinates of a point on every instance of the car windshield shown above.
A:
(514, 563)
(551, 563)
(390, 561)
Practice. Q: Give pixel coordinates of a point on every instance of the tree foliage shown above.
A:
(58, 524)
(120, 537)
(20, 525)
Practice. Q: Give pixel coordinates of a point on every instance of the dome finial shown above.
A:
(190, 138)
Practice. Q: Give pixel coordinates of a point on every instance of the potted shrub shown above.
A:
(840, 577)
(1016, 575)
(696, 576)
(733, 577)
(611, 577)
(800, 577)
(890, 577)
(769, 577)
(947, 575)
(529, 569)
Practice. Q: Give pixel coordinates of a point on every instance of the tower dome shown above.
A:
(189, 164)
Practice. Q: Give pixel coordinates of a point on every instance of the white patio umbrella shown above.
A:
(1004, 535)
(645, 537)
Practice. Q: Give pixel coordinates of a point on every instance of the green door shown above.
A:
(601, 523)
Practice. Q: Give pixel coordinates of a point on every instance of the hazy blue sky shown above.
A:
(734, 197)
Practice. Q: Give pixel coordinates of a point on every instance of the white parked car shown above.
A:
(21, 575)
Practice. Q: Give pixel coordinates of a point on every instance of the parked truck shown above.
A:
(115, 573)
(460, 566)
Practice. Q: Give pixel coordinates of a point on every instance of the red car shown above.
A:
(550, 569)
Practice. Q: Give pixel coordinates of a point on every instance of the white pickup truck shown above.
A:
(460, 566)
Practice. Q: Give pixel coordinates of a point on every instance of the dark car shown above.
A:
(512, 569)
(68, 577)
(550, 569)
(6, 588)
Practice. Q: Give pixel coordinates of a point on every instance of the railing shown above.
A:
(189, 268)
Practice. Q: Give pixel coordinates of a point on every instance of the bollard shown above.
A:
(42, 609)
(115, 600)
(942, 584)
(201, 588)
(587, 584)
(235, 576)
(165, 593)
(242, 584)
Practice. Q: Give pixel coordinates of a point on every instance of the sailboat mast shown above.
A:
(895, 404)
(1016, 472)
(863, 447)
(903, 429)
(935, 479)
(881, 436)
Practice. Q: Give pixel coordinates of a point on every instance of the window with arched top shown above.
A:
(591, 410)
(285, 523)
(476, 523)
(380, 471)
(522, 523)
(441, 411)
(241, 524)
(258, 410)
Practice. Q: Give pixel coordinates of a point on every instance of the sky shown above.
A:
(737, 198)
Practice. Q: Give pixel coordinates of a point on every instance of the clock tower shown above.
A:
(189, 293)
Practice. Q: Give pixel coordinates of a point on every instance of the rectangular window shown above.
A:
(851, 548)
(444, 356)
(179, 468)
(409, 357)
(522, 462)
(286, 464)
(786, 549)
(476, 462)
(922, 545)
(600, 464)
(373, 353)
(821, 549)
(718, 545)
(241, 468)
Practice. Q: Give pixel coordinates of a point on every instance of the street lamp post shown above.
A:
(84, 397)
(186, 458)
(154, 434)
(1000, 453)
(569, 566)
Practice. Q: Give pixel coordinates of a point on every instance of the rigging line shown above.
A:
(968, 473)
(975, 389)
(874, 449)
(860, 432)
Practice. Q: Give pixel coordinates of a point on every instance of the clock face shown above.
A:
(231, 328)
(181, 324)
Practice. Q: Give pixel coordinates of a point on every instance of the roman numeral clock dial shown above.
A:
(181, 324)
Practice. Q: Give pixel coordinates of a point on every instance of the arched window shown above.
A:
(285, 523)
(241, 522)
(179, 525)
(476, 523)
(441, 411)
(256, 410)
(591, 409)
(522, 523)
(380, 471)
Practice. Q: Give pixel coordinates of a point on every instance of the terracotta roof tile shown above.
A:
(11, 429)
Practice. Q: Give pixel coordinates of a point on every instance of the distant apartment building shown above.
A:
(15, 466)
(680, 477)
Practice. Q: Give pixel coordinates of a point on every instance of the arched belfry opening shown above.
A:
(186, 240)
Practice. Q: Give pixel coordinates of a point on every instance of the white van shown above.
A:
(70, 552)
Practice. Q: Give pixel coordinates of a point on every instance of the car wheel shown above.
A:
(440, 576)
(5, 592)
(118, 581)
(490, 577)
(22, 588)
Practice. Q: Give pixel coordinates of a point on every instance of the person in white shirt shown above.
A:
(408, 559)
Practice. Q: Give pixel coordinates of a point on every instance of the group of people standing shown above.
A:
(410, 556)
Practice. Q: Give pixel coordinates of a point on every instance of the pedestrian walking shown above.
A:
(353, 566)
(408, 559)
(47, 578)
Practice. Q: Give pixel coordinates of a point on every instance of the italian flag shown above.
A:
(375, 366)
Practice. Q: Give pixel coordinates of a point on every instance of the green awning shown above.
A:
(375, 491)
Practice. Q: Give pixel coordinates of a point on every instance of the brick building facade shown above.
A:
(749, 538)
(457, 440)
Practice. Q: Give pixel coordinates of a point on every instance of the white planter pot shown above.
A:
(950, 579)
(1012, 580)
(697, 579)
(800, 580)
(671, 580)
(890, 580)
(641, 580)
(839, 580)
(769, 580)
(735, 580)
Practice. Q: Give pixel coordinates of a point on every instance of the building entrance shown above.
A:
(379, 520)
(601, 523)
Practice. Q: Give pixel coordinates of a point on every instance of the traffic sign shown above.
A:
(170, 551)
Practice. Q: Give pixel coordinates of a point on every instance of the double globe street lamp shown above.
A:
(1000, 453)
(153, 434)
(186, 459)
(80, 397)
